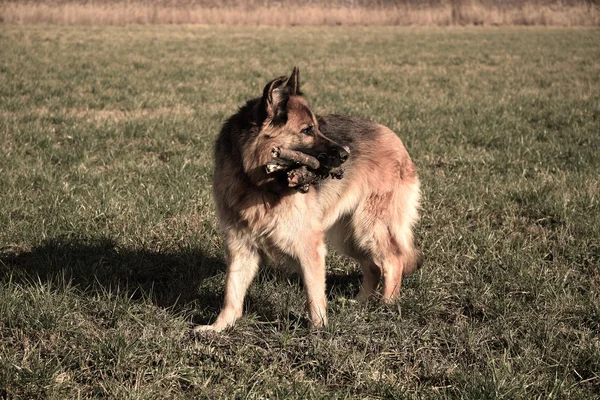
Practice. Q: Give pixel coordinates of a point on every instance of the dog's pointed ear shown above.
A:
(293, 84)
(273, 94)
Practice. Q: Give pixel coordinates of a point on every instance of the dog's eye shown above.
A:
(308, 130)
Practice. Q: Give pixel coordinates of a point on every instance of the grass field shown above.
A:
(108, 243)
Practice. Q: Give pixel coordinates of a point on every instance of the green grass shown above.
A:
(108, 243)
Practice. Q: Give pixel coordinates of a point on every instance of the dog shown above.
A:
(368, 215)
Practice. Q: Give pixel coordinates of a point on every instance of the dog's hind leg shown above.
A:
(342, 236)
(393, 250)
(392, 278)
(242, 264)
(371, 278)
(401, 262)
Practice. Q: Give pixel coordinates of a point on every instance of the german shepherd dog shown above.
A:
(368, 215)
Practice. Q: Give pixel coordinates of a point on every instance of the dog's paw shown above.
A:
(217, 326)
(207, 328)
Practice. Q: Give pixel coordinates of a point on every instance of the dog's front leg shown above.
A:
(312, 265)
(242, 265)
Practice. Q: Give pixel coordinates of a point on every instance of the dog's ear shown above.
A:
(273, 95)
(293, 84)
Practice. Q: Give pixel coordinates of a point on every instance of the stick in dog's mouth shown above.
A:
(296, 156)
(302, 169)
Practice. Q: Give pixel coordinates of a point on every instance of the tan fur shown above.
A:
(368, 215)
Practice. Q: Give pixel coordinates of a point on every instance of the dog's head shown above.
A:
(290, 123)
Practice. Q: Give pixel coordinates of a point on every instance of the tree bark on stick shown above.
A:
(296, 156)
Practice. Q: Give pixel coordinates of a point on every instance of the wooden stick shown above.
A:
(301, 176)
(274, 166)
(295, 156)
(302, 170)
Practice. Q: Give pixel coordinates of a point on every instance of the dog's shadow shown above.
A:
(185, 279)
(170, 279)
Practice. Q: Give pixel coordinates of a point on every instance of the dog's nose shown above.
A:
(343, 153)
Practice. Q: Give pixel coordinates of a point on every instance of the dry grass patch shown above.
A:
(456, 12)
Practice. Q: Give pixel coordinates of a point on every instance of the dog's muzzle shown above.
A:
(335, 157)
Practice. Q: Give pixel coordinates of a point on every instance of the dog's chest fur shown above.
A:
(279, 225)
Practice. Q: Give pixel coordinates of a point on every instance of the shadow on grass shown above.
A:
(344, 285)
(170, 279)
(177, 280)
